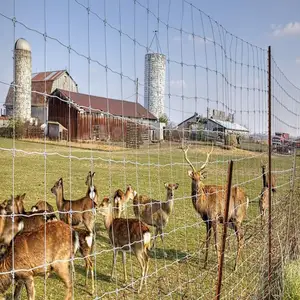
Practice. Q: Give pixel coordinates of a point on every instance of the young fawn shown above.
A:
(127, 235)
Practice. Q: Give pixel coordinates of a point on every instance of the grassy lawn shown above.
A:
(181, 274)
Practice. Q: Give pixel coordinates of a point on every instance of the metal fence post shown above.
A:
(220, 271)
(270, 167)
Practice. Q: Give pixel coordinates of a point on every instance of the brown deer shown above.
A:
(8, 227)
(27, 257)
(86, 242)
(31, 220)
(121, 199)
(273, 180)
(209, 202)
(42, 206)
(82, 208)
(155, 213)
(127, 235)
(92, 191)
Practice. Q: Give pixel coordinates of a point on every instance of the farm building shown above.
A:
(105, 119)
(43, 83)
(225, 127)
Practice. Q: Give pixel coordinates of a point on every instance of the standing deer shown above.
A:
(154, 212)
(121, 199)
(273, 180)
(127, 235)
(209, 201)
(42, 206)
(81, 209)
(27, 257)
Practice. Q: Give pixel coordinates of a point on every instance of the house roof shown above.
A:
(113, 106)
(188, 119)
(229, 125)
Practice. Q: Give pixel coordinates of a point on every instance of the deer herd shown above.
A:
(37, 242)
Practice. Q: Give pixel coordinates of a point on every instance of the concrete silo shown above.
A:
(22, 80)
(155, 73)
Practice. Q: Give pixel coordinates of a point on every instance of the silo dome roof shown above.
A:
(22, 44)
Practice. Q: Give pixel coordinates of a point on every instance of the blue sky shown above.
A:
(262, 23)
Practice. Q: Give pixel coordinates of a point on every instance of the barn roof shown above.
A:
(47, 76)
(107, 105)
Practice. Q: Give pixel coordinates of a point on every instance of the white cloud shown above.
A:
(178, 83)
(292, 28)
(298, 60)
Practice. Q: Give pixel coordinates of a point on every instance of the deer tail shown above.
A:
(147, 239)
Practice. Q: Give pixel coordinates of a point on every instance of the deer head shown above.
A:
(105, 207)
(171, 187)
(58, 186)
(90, 179)
(15, 205)
(194, 174)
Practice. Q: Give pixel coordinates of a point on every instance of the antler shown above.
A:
(207, 158)
(186, 158)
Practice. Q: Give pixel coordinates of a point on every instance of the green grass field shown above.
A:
(181, 274)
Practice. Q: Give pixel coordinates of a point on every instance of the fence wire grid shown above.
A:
(215, 98)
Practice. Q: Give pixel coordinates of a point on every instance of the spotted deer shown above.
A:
(210, 200)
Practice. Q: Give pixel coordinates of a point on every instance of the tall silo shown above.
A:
(155, 73)
(22, 80)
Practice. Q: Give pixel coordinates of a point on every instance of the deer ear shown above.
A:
(60, 181)
(176, 186)
(166, 185)
(23, 196)
(93, 174)
(191, 173)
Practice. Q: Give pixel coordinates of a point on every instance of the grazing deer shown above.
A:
(92, 191)
(82, 208)
(154, 212)
(210, 200)
(127, 235)
(27, 257)
(121, 199)
(273, 180)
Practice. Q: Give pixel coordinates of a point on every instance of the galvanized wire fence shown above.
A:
(215, 89)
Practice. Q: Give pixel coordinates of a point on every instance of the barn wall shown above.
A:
(65, 82)
(59, 111)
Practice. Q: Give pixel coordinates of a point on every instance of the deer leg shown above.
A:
(215, 228)
(162, 240)
(146, 259)
(62, 270)
(29, 284)
(124, 265)
(18, 290)
(140, 258)
(155, 236)
(115, 253)
(208, 235)
(239, 237)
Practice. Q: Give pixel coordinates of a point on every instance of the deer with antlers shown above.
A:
(209, 202)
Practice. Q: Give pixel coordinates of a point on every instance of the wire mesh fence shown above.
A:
(199, 97)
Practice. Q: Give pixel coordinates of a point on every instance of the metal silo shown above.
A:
(155, 73)
(22, 80)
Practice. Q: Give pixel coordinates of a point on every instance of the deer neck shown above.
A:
(60, 198)
(127, 196)
(197, 192)
(5, 267)
(170, 203)
(108, 219)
